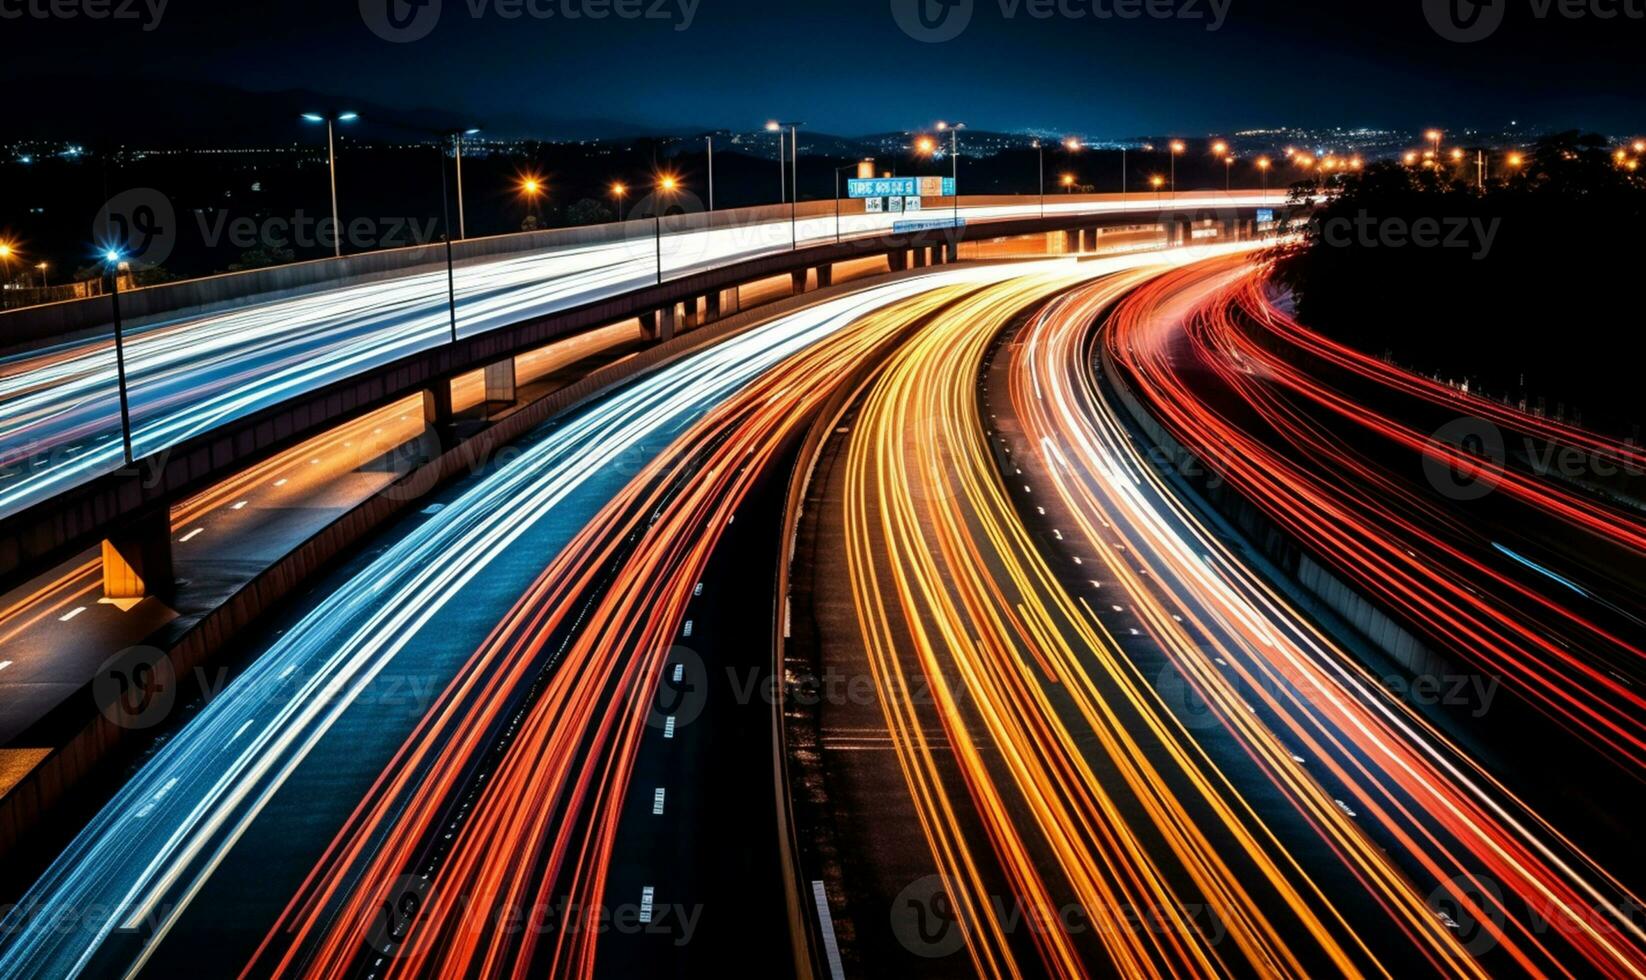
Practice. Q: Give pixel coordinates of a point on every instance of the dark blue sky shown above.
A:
(846, 65)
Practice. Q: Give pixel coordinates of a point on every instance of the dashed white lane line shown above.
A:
(679, 673)
(831, 944)
(77, 610)
(4, 664)
(241, 505)
(647, 896)
(657, 802)
(687, 631)
(281, 483)
(185, 539)
(668, 727)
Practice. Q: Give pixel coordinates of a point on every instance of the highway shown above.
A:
(1117, 749)
(55, 630)
(59, 408)
(200, 851)
(1343, 474)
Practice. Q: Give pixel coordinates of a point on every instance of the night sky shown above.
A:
(845, 66)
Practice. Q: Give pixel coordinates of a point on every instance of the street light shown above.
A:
(667, 185)
(1176, 147)
(457, 142)
(1068, 183)
(1263, 166)
(793, 179)
(954, 152)
(112, 259)
(331, 119)
(532, 189)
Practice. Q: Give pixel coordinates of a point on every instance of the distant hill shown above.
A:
(192, 113)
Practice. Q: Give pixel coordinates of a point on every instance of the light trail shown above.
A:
(1229, 401)
(1084, 787)
(535, 828)
(143, 860)
(1551, 909)
(189, 373)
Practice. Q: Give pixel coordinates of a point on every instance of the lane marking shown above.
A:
(679, 673)
(668, 727)
(831, 945)
(185, 539)
(4, 664)
(647, 896)
(657, 802)
(241, 505)
(687, 632)
(281, 483)
(77, 610)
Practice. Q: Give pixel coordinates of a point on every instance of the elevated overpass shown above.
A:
(224, 371)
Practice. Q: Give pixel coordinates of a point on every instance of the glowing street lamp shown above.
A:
(331, 119)
(1177, 146)
(667, 186)
(113, 262)
(1515, 160)
(1410, 158)
(44, 267)
(1640, 146)
(1068, 183)
(1263, 165)
(1434, 136)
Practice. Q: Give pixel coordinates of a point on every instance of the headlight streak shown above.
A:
(543, 826)
(190, 373)
(1008, 655)
(1476, 823)
(148, 850)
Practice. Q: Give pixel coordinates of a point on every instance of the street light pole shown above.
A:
(710, 141)
(462, 224)
(330, 119)
(113, 259)
(1041, 150)
(954, 152)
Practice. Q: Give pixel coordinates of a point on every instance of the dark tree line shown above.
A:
(1532, 291)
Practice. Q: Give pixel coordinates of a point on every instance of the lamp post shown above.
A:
(1263, 168)
(1041, 150)
(44, 283)
(954, 152)
(793, 178)
(710, 141)
(457, 143)
(531, 187)
(667, 184)
(113, 265)
(1176, 148)
(331, 119)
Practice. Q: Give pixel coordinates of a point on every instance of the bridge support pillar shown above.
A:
(951, 251)
(137, 560)
(920, 258)
(897, 260)
(711, 307)
(500, 382)
(658, 324)
(799, 278)
(825, 276)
